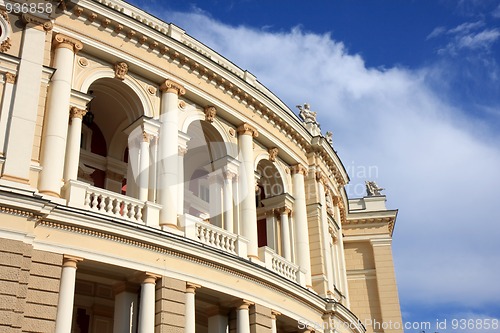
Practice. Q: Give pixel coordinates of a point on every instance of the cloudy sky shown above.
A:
(411, 91)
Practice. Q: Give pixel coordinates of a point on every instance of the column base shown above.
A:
(51, 193)
(15, 179)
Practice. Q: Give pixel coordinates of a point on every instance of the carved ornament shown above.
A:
(75, 112)
(121, 69)
(210, 113)
(299, 168)
(170, 86)
(247, 129)
(73, 44)
(146, 137)
(10, 78)
(273, 153)
(5, 45)
(37, 21)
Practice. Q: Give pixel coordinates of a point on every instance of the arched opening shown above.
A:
(104, 145)
(204, 164)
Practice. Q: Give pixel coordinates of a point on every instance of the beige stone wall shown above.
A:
(260, 319)
(29, 286)
(170, 305)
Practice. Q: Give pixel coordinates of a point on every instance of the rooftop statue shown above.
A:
(329, 137)
(306, 114)
(373, 189)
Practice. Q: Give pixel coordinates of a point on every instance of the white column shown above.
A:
(66, 295)
(274, 327)
(73, 144)
(167, 153)
(153, 153)
(236, 207)
(300, 219)
(228, 201)
(321, 180)
(125, 318)
(25, 103)
(248, 211)
(243, 317)
(190, 317)
(271, 230)
(218, 323)
(215, 204)
(143, 179)
(180, 169)
(147, 305)
(285, 234)
(8, 87)
(56, 122)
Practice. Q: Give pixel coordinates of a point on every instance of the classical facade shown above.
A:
(147, 184)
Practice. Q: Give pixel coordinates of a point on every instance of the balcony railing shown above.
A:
(280, 265)
(201, 231)
(85, 196)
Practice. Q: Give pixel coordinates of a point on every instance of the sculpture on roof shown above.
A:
(306, 114)
(329, 137)
(373, 189)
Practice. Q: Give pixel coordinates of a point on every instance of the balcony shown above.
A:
(281, 266)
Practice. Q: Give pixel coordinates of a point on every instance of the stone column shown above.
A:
(236, 207)
(285, 234)
(190, 326)
(243, 317)
(248, 211)
(64, 316)
(228, 201)
(167, 153)
(56, 120)
(180, 191)
(218, 321)
(147, 305)
(7, 95)
(73, 144)
(300, 219)
(153, 153)
(143, 176)
(274, 326)
(329, 260)
(25, 101)
(125, 318)
(215, 201)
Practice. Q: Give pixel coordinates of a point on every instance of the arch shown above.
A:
(271, 181)
(92, 75)
(279, 168)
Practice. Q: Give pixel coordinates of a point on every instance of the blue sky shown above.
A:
(411, 91)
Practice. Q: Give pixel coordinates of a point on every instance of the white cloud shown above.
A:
(440, 174)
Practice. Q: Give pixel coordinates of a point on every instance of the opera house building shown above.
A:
(148, 184)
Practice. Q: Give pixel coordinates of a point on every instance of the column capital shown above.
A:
(321, 178)
(191, 287)
(182, 151)
(71, 261)
(173, 87)
(10, 78)
(299, 168)
(285, 210)
(243, 304)
(75, 112)
(147, 277)
(274, 314)
(146, 137)
(210, 113)
(38, 22)
(63, 41)
(228, 175)
(246, 129)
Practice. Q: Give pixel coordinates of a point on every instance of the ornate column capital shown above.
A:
(148, 277)
(273, 153)
(75, 112)
(299, 168)
(321, 178)
(63, 41)
(10, 78)
(71, 261)
(229, 175)
(146, 137)
(173, 87)
(285, 210)
(243, 304)
(210, 113)
(191, 287)
(274, 314)
(246, 129)
(182, 151)
(38, 22)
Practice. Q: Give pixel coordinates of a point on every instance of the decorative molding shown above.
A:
(170, 86)
(5, 45)
(210, 113)
(73, 44)
(121, 69)
(273, 154)
(83, 62)
(37, 21)
(152, 90)
(232, 132)
(10, 78)
(246, 129)
(182, 105)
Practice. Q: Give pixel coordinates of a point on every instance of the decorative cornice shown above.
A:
(170, 86)
(210, 113)
(246, 129)
(73, 44)
(299, 168)
(46, 25)
(273, 154)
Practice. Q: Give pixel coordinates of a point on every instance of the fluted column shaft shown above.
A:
(147, 304)
(248, 210)
(66, 295)
(300, 219)
(73, 144)
(56, 122)
(168, 153)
